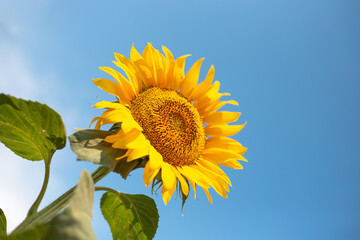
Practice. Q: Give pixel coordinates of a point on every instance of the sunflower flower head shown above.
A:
(174, 121)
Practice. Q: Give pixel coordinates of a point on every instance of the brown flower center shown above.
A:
(171, 123)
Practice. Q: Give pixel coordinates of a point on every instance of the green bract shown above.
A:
(89, 145)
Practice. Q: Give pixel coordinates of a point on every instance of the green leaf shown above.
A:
(2, 223)
(73, 223)
(89, 145)
(31, 130)
(130, 216)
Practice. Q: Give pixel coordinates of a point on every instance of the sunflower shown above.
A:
(167, 116)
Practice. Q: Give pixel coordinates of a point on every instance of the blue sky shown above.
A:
(293, 66)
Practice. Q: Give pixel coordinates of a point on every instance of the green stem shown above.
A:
(107, 189)
(33, 209)
(51, 210)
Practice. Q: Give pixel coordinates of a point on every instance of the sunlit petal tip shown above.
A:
(118, 57)
(168, 54)
(244, 150)
(207, 194)
(223, 129)
(134, 54)
(165, 49)
(168, 176)
(184, 185)
(166, 197)
(149, 174)
(243, 159)
(233, 164)
(233, 102)
(149, 45)
(185, 56)
(97, 118)
(100, 105)
(191, 78)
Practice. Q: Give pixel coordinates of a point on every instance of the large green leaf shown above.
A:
(130, 216)
(89, 145)
(74, 223)
(2, 223)
(31, 130)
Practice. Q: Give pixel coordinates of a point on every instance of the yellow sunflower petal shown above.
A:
(145, 72)
(148, 55)
(126, 89)
(183, 183)
(222, 117)
(120, 114)
(222, 130)
(99, 122)
(208, 195)
(221, 154)
(139, 141)
(155, 158)
(131, 71)
(210, 98)
(167, 175)
(108, 86)
(116, 115)
(232, 163)
(214, 168)
(160, 70)
(137, 153)
(204, 86)
(169, 67)
(212, 181)
(167, 193)
(225, 143)
(134, 54)
(149, 174)
(126, 141)
(192, 183)
(113, 105)
(130, 124)
(216, 106)
(194, 174)
(168, 54)
(169, 182)
(191, 78)
(178, 72)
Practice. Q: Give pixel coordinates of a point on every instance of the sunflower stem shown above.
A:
(107, 189)
(33, 209)
(52, 209)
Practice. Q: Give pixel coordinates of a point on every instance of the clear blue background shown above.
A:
(294, 68)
